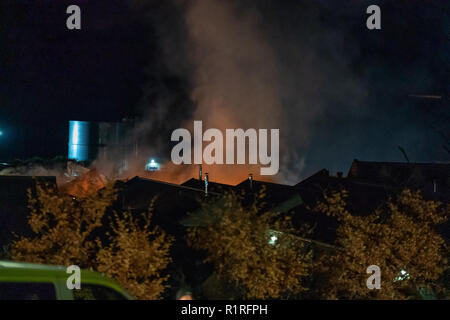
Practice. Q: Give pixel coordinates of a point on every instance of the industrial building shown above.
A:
(89, 141)
(114, 142)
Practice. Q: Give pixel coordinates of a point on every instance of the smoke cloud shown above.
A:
(312, 69)
(298, 66)
(242, 75)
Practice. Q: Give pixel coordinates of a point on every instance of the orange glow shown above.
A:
(226, 174)
(84, 185)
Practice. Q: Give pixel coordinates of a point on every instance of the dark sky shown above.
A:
(49, 75)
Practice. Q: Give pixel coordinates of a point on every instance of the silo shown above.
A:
(108, 141)
(83, 140)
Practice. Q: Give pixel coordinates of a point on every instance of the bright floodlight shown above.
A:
(273, 240)
(404, 275)
(152, 165)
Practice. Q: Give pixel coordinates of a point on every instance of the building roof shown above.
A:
(171, 202)
(433, 179)
(276, 193)
(212, 186)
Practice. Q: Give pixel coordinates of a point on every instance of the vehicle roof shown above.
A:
(24, 271)
(16, 267)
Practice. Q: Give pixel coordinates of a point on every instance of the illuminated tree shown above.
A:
(68, 230)
(62, 226)
(251, 249)
(400, 238)
(133, 260)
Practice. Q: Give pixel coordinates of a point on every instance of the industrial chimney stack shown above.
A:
(206, 184)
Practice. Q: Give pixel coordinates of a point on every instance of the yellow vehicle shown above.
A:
(28, 281)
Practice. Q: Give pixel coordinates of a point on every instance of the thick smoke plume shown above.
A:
(233, 83)
(242, 76)
(297, 66)
(336, 90)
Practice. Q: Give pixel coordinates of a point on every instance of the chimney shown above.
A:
(206, 184)
(200, 172)
(339, 174)
(250, 179)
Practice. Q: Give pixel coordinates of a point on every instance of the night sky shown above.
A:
(49, 75)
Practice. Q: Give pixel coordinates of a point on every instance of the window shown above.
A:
(95, 292)
(27, 291)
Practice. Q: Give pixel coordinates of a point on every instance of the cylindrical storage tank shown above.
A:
(83, 137)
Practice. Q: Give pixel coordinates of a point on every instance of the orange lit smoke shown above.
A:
(235, 84)
(227, 174)
(85, 184)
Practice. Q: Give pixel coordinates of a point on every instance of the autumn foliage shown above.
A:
(399, 237)
(133, 260)
(62, 226)
(68, 230)
(237, 241)
(256, 253)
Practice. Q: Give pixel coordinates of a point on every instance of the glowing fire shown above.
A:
(227, 174)
(85, 184)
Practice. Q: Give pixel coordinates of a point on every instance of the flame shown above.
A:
(90, 182)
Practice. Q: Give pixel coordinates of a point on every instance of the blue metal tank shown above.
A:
(80, 140)
(112, 141)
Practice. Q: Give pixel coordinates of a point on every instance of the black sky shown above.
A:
(49, 75)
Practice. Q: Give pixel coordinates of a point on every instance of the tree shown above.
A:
(62, 226)
(251, 249)
(133, 260)
(68, 230)
(400, 238)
